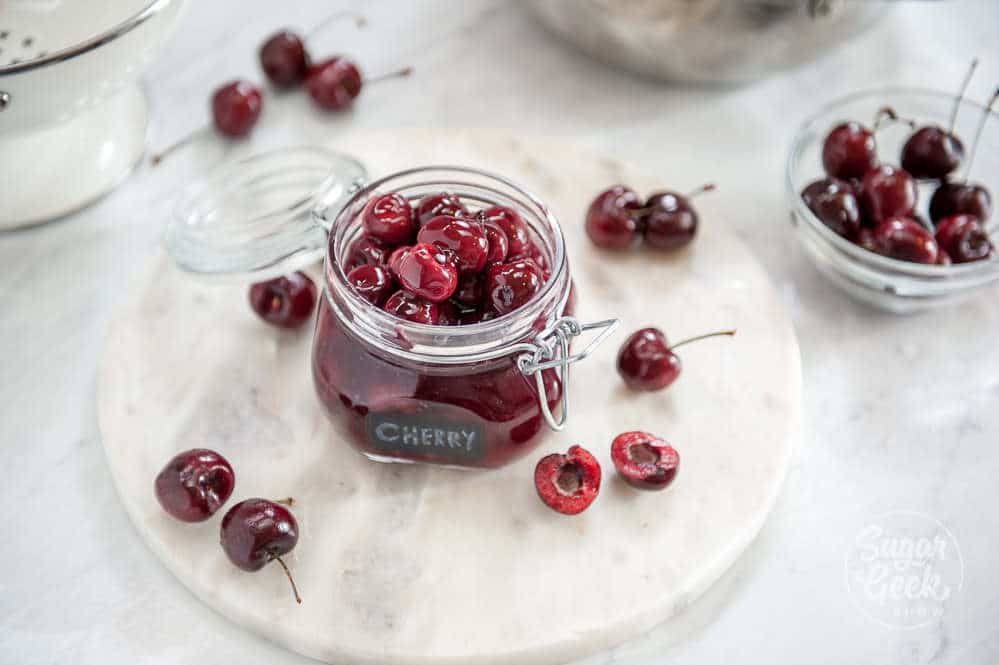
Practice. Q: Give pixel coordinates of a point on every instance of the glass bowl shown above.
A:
(890, 284)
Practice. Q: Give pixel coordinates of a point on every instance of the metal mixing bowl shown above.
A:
(725, 41)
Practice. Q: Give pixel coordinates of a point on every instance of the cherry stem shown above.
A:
(359, 21)
(288, 501)
(703, 189)
(291, 580)
(700, 337)
(889, 113)
(978, 133)
(960, 94)
(405, 71)
(694, 194)
(190, 138)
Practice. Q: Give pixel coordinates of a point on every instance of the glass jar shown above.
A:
(475, 395)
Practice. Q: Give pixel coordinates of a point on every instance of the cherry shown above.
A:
(905, 239)
(646, 361)
(285, 301)
(411, 308)
(448, 314)
(644, 460)
(865, 239)
(194, 484)
(933, 152)
(257, 531)
(611, 220)
(568, 483)
(963, 239)
(849, 151)
(365, 251)
(943, 258)
(335, 82)
(236, 107)
(284, 59)
(512, 225)
(499, 244)
(834, 203)
(466, 238)
(373, 283)
(469, 292)
(423, 271)
(953, 198)
(389, 218)
(670, 221)
(510, 285)
(433, 205)
(887, 192)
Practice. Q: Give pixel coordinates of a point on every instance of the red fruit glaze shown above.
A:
(511, 223)
(568, 483)
(511, 285)
(411, 308)
(284, 59)
(887, 192)
(365, 251)
(285, 301)
(963, 239)
(424, 272)
(644, 460)
(373, 283)
(646, 362)
(905, 239)
(849, 151)
(194, 484)
(334, 83)
(464, 237)
(236, 107)
(432, 205)
(390, 219)
(610, 220)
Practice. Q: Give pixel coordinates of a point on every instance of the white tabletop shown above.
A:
(900, 412)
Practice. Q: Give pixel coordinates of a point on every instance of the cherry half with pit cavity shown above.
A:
(257, 531)
(285, 301)
(647, 362)
(644, 460)
(568, 483)
(194, 484)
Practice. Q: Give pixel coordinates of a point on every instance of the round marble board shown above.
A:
(406, 564)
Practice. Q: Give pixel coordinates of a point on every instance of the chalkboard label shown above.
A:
(424, 435)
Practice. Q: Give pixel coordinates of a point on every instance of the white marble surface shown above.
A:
(395, 562)
(899, 413)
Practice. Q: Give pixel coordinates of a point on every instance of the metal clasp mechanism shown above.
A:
(551, 350)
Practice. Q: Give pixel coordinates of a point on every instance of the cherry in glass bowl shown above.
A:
(887, 283)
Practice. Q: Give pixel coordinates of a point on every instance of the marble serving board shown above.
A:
(415, 565)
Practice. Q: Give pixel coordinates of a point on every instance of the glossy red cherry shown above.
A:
(389, 218)
(366, 251)
(334, 83)
(470, 291)
(257, 531)
(285, 301)
(954, 198)
(284, 59)
(611, 220)
(887, 192)
(423, 271)
(932, 152)
(644, 460)
(499, 245)
(443, 203)
(194, 484)
(406, 306)
(236, 107)
(511, 285)
(833, 202)
(671, 222)
(905, 239)
(849, 151)
(464, 237)
(373, 283)
(963, 239)
(568, 483)
(647, 362)
(512, 225)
